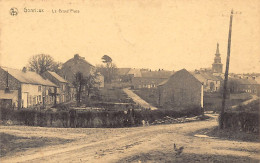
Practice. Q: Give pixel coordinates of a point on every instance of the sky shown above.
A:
(168, 34)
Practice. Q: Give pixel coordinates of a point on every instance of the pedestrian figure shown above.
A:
(143, 122)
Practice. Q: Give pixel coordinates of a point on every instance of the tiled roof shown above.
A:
(74, 65)
(202, 76)
(244, 81)
(199, 77)
(123, 71)
(58, 77)
(28, 77)
(179, 72)
(209, 76)
(157, 74)
(135, 72)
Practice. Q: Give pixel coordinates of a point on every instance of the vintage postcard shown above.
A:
(129, 81)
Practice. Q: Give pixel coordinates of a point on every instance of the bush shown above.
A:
(242, 121)
(6, 114)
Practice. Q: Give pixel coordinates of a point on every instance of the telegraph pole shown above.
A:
(226, 72)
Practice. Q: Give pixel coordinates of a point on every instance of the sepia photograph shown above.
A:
(129, 81)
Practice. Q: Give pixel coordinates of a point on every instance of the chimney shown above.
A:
(24, 69)
(76, 56)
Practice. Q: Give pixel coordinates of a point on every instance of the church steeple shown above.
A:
(217, 51)
(217, 66)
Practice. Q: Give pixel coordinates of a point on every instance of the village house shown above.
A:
(150, 79)
(210, 82)
(24, 89)
(244, 85)
(123, 75)
(79, 64)
(180, 91)
(65, 91)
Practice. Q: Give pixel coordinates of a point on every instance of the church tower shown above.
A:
(217, 66)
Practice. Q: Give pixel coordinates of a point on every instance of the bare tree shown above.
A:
(85, 85)
(78, 83)
(43, 62)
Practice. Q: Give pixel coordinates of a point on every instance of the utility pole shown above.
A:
(226, 73)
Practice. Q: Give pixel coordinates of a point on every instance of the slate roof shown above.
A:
(28, 77)
(58, 77)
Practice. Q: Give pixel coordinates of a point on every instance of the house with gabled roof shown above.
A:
(75, 65)
(24, 89)
(180, 91)
(211, 83)
(65, 91)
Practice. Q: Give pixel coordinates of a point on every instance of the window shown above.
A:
(39, 88)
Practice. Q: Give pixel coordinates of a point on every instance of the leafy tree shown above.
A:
(43, 62)
(109, 70)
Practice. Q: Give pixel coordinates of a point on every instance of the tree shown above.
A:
(78, 83)
(109, 71)
(43, 62)
(85, 85)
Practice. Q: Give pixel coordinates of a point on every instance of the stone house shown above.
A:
(181, 91)
(65, 91)
(150, 79)
(78, 64)
(24, 89)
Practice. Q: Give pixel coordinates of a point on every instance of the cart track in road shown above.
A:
(111, 145)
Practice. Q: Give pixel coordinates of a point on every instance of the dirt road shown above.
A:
(111, 145)
(138, 99)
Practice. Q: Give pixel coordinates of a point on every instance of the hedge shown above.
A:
(242, 121)
(89, 119)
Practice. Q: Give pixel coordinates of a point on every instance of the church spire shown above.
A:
(217, 51)
(217, 65)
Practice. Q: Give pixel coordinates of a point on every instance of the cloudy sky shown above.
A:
(168, 34)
